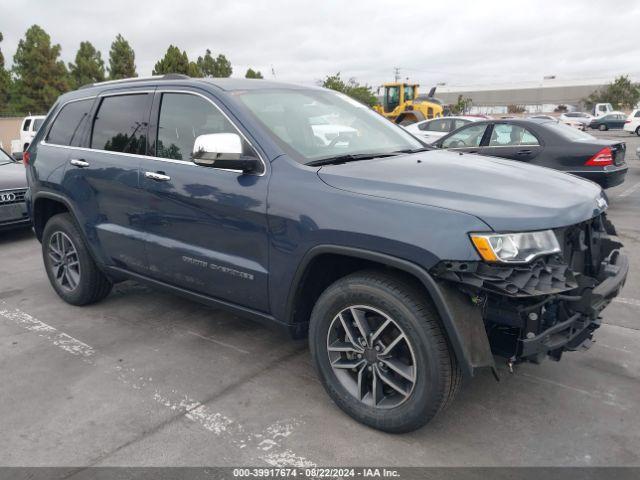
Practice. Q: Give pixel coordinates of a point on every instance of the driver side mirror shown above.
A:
(224, 151)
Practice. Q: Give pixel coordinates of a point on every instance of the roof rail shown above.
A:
(168, 76)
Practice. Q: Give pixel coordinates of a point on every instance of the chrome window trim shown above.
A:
(152, 157)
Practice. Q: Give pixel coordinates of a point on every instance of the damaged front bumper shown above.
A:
(547, 306)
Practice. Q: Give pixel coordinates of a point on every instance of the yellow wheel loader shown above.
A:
(402, 104)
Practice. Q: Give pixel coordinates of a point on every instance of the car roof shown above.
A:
(221, 84)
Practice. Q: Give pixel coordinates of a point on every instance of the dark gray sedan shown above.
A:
(545, 143)
(13, 187)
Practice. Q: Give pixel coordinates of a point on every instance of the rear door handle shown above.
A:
(523, 152)
(79, 163)
(157, 176)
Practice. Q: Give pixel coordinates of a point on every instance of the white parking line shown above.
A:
(627, 301)
(270, 440)
(629, 190)
(59, 339)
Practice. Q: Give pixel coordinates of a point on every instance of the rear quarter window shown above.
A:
(67, 125)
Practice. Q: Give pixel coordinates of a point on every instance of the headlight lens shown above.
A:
(515, 247)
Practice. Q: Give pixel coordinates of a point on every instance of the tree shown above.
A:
(89, 66)
(218, 67)
(40, 77)
(516, 108)
(223, 67)
(207, 64)
(122, 59)
(361, 93)
(175, 61)
(622, 93)
(251, 73)
(462, 106)
(5, 82)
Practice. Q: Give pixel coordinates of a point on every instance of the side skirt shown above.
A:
(248, 313)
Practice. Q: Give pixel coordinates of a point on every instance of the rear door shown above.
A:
(207, 227)
(101, 178)
(514, 142)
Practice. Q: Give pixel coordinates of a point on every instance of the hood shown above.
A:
(507, 195)
(13, 175)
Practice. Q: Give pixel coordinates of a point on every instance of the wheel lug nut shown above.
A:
(359, 355)
(381, 365)
(377, 348)
(370, 367)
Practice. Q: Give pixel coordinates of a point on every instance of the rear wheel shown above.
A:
(602, 128)
(71, 270)
(377, 345)
(638, 131)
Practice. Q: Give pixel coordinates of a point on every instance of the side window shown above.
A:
(442, 126)
(25, 125)
(66, 126)
(426, 126)
(183, 118)
(469, 136)
(506, 135)
(637, 115)
(458, 122)
(120, 125)
(37, 123)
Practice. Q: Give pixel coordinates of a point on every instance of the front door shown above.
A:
(467, 139)
(207, 227)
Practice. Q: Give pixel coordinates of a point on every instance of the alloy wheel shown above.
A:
(371, 357)
(64, 261)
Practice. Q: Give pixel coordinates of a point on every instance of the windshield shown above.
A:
(568, 132)
(5, 158)
(312, 125)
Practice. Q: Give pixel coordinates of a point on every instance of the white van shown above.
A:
(632, 124)
(29, 128)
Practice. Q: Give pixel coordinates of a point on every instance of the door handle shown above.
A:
(159, 177)
(523, 152)
(79, 163)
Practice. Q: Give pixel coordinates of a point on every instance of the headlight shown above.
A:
(515, 247)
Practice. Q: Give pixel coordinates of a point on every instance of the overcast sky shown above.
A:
(457, 42)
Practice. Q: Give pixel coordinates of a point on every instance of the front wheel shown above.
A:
(602, 128)
(380, 352)
(71, 270)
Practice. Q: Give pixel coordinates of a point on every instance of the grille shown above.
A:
(8, 197)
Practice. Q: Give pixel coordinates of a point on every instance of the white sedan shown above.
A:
(432, 130)
(632, 124)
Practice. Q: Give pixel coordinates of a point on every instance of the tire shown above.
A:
(638, 131)
(603, 128)
(79, 281)
(382, 297)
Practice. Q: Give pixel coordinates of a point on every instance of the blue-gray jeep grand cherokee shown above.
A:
(407, 268)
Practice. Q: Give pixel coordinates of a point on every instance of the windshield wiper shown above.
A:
(351, 157)
(415, 150)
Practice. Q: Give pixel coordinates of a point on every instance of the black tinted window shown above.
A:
(25, 127)
(184, 117)
(121, 124)
(66, 126)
